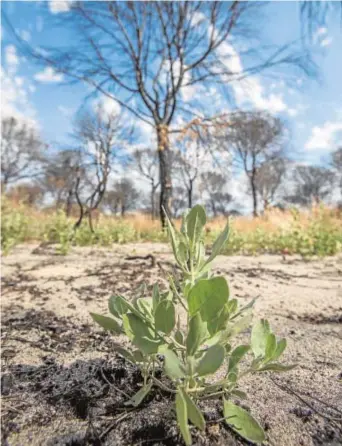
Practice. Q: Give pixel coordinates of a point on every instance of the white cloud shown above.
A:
(57, 6)
(292, 112)
(325, 137)
(12, 59)
(48, 75)
(107, 106)
(250, 90)
(230, 57)
(15, 99)
(326, 42)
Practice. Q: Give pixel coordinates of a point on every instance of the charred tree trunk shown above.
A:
(153, 211)
(68, 203)
(190, 190)
(165, 172)
(254, 196)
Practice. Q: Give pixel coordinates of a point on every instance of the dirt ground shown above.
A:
(62, 384)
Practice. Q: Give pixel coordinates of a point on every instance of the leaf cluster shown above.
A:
(188, 332)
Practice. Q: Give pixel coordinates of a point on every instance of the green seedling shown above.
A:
(188, 331)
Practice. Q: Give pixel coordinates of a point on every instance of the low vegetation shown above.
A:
(317, 231)
(188, 333)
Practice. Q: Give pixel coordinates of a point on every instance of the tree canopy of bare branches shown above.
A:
(145, 54)
(122, 197)
(59, 177)
(269, 177)
(101, 138)
(21, 151)
(213, 189)
(336, 162)
(147, 164)
(311, 185)
(253, 138)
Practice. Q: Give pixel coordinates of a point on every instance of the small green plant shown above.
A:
(188, 332)
(14, 226)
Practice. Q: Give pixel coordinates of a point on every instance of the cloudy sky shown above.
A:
(312, 109)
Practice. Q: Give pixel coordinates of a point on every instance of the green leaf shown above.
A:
(218, 244)
(243, 423)
(172, 365)
(196, 219)
(182, 418)
(155, 296)
(232, 306)
(140, 334)
(139, 396)
(271, 345)
(165, 317)
(236, 355)
(239, 394)
(245, 308)
(197, 334)
(179, 337)
(281, 346)
(200, 253)
(223, 336)
(260, 333)
(174, 238)
(209, 297)
(108, 323)
(138, 356)
(275, 367)
(117, 306)
(240, 324)
(144, 305)
(211, 361)
(123, 352)
(220, 322)
(183, 254)
(194, 413)
(184, 222)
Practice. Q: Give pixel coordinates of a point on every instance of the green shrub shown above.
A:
(14, 226)
(190, 354)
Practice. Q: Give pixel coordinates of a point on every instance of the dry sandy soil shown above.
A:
(62, 384)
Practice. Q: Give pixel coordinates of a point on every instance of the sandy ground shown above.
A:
(302, 300)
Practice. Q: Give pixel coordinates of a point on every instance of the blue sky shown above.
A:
(313, 110)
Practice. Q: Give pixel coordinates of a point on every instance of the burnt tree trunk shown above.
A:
(190, 190)
(153, 211)
(164, 172)
(69, 203)
(254, 195)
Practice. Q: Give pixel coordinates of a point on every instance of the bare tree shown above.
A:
(336, 163)
(27, 193)
(312, 184)
(144, 54)
(21, 151)
(217, 200)
(122, 197)
(189, 161)
(314, 14)
(253, 138)
(269, 177)
(59, 177)
(179, 201)
(147, 163)
(102, 138)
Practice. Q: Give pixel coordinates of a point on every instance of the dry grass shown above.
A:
(313, 231)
